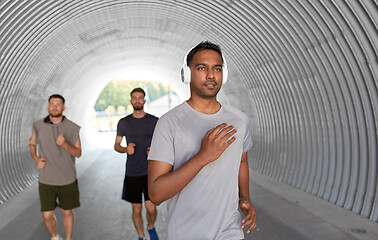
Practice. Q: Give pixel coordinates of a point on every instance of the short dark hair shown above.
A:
(138, 89)
(205, 45)
(57, 96)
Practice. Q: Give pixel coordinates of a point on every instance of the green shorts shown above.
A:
(67, 195)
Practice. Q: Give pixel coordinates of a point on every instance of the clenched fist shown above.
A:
(60, 140)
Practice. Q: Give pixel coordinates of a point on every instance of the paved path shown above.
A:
(284, 213)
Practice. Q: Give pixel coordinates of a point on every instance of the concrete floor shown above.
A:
(284, 212)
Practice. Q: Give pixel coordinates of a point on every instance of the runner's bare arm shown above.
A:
(40, 162)
(73, 150)
(244, 200)
(117, 145)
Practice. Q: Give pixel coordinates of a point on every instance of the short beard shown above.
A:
(138, 108)
(56, 115)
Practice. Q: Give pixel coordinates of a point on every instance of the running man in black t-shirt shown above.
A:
(138, 128)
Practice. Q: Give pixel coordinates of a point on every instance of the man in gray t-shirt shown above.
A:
(198, 157)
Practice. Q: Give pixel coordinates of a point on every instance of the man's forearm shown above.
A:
(74, 151)
(33, 152)
(169, 184)
(244, 178)
(119, 148)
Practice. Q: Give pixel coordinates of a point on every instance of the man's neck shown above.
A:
(206, 106)
(139, 113)
(56, 120)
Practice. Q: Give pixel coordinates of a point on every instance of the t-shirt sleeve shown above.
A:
(247, 138)
(162, 145)
(119, 129)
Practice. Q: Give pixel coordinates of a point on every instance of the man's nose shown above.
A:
(210, 74)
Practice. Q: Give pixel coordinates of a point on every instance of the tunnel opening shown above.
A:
(113, 103)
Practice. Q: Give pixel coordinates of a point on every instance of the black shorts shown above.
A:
(67, 196)
(133, 188)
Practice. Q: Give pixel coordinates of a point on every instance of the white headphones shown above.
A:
(185, 70)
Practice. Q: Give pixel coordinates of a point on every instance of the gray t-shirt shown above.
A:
(60, 165)
(207, 208)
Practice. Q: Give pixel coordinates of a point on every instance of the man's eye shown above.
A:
(218, 69)
(201, 68)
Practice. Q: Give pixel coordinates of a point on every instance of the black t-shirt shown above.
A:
(138, 131)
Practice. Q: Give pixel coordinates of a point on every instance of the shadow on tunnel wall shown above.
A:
(305, 72)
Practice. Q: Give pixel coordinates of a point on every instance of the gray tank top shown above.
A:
(60, 165)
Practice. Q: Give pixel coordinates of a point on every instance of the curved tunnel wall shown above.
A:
(305, 72)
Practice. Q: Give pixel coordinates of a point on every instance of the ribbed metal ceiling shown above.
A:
(304, 71)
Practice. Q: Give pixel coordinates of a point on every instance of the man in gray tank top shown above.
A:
(198, 158)
(59, 144)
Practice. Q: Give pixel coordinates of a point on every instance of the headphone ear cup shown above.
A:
(182, 75)
(225, 75)
(185, 74)
(224, 71)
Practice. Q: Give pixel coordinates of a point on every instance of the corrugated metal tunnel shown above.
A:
(305, 72)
